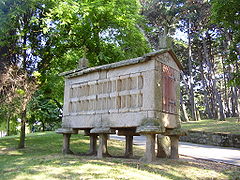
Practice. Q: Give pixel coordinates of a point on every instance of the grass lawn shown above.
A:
(209, 125)
(42, 159)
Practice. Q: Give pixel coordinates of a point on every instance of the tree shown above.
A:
(44, 112)
(17, 89)
(163, 18)
(106, 31)
(20, 43)
(103, 31)
(209, 64)
(226, 15)
(51, 36)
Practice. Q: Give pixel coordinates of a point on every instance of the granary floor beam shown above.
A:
(66, 144)
(93, 144)
(174, 147)
(150, 148)
(129, 146)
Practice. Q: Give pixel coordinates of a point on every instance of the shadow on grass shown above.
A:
(43, 155)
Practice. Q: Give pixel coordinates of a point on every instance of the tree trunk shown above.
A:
(226, 97)
(204, 87)
(191, 93)
(183, 109)
(221, 111)
(209, 77)
(198, 116)
(22, 133)
(8, 125)
(215, 94)
(234, 101)
(43, 126)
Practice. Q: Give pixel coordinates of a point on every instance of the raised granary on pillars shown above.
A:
(138, 96)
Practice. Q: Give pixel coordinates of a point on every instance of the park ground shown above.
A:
(230, 125)
(42, 159)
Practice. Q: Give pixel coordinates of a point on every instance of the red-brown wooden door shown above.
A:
(169, 100)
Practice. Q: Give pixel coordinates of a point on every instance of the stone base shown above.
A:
(128, 146)
(150, 154)
(93, 144)
(66, 144)
(163, 146)
(102, 147)
(174, 147)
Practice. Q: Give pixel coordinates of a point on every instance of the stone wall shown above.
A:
(124, 94)
(97, 96)
(217, 139)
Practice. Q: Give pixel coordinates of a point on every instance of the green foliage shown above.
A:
(47, 37)
(226, 15)
(106, 29)
(8, 114)
(103, 31)
(44, 113)
(20, 31)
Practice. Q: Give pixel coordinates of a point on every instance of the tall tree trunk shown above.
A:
(23, 129)
(198, 116)
(183, 109)
(8, 125)
(226, 97)
(43, 126)
(211, 79)
(221, 110)
(234, 101)
(234, 94)
(191, 93)
(204, 87)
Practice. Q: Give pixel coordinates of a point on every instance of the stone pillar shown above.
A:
(93, 144)
(174, 147)
(102, 147)
(66, 144)
(128, 146)
(150, 148)
(163, 146)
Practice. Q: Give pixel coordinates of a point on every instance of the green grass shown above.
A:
(42, 159)
(209, 125)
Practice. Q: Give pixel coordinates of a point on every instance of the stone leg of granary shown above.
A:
(102, 147)
(93, 144)
(163, 146)
(105, 152)
(66, 144)
(129, 146)
(150, 148)
(174, 147)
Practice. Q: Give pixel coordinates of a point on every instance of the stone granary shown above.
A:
(133, 97)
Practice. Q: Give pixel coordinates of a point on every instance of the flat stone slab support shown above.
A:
(174, 147)
(102, 147)
(66, 144)
(128, 146)
(93, 144)
(150, 148)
